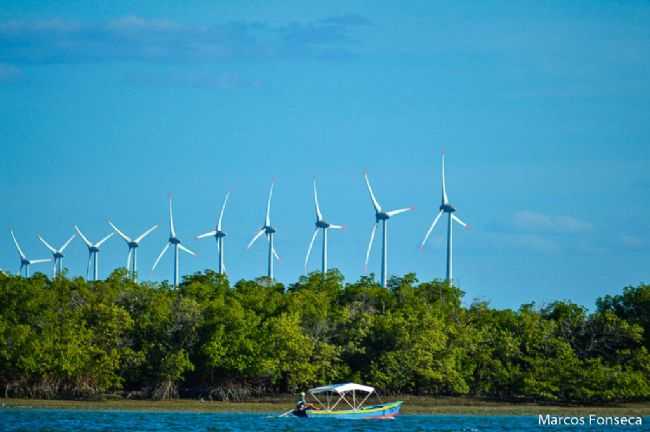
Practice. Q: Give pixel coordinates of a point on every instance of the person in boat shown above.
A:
(303, 406)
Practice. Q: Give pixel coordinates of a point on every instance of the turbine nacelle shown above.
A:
(447, 208)
(268, 230)
(381, 216)
(322, 224)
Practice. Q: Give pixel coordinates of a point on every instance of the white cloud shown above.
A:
(135, 23)
(534, 242)
(531, 221)
(137, 38)
(631, 242)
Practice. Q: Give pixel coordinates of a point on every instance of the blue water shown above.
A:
(25, 419)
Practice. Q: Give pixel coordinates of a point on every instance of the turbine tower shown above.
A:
(381, 216)
(218, 234)
(24, 261)
(446, 207)
(173, 241)
(93, 252)
(57, 254)
(270, 233)
(132, 257)
(321, 225)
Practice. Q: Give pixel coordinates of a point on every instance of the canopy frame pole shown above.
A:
(354, 400)
(364, 400)
(317, 400)
(346, 400)
(337, 402)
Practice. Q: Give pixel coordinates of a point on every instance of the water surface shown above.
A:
(55, 420)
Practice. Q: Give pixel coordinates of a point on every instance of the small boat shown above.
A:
(345, 401)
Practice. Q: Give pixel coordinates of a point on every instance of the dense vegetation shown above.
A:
(72, 338)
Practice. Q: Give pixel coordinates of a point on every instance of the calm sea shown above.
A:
(76, 420)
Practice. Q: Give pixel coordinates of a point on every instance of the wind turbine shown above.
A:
(218, 234)
(24, 261)
(270, 233)
(449, 209)
(321, 224)
(172, 241)
(381, 216)
(93, 252)
(132, 257)
(57, 254)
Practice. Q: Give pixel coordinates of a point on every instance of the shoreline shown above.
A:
(412, 405)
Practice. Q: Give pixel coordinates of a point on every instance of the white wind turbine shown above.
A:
(25, 262)
(218, 234)
(321, 225)
(57, 254)
(93, 252)
(381, 216)
(445, 207)
(173, 241)
(133, 244)
(270, 233)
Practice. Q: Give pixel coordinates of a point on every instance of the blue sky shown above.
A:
(542, 108)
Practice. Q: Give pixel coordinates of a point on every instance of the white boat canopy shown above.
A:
(342, 388)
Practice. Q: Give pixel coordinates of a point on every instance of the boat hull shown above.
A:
(382, 411)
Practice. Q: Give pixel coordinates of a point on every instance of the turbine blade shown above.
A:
(398, 211)
(336, 227)
(20, 251)
(101, 242)
(311, 244)
(258, 235)
(172, 230)
(208, 234)
(457, 219)
(372, 238)
(83, 237)
(40, 261)
(275, 254)
(184, 249)
(65, 245)
(90, 256)
(146, 233)
(47, 245)
(445, 200)
(267, 220)
(319, 215)
(375, 204)
(120, 233)
(435, 221)
(223, 207)
(160, 256)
